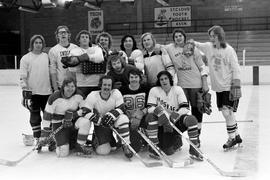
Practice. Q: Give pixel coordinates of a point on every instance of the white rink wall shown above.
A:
(11, 77)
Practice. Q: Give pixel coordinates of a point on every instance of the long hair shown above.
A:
(152, 37)
(62, 27)
(166, 73)
(114, 56)
(32, 40)
(66, 81)
(78, 36)
(123, 41)
(218, 30)
(179, 30)
(104, 34)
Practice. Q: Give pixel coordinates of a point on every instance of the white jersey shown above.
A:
(95, 55)
(188, 69)
(223, 65)
(35, 69)
(56, 66)
(172, 101)
(94, 100)
(154, 63)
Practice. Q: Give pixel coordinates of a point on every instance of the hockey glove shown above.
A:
(71, 61)
(44, 137)
(134, 123)
(94, 117)
(162, 119)
(138, 114)
(110, 117)
(188, 49)
(174, 117)
(67, 121)
(235, 92)
(27, 99)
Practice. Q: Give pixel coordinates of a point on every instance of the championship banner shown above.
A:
(95, 22)
(173, 16)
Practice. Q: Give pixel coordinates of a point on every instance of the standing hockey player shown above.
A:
(135, 98)
(62, 109)
(87, 80)
(168, 103)
(35, 82)
(190, 69)
(56, 53)
(109, 105)
(225, 79)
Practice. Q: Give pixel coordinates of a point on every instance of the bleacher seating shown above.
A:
(255, 43)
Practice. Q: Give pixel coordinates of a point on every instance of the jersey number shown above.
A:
(134, 103)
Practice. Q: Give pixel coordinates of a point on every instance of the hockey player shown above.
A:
(109, 105)
(225, 79)
(191, 70)
(135, 98)
(156, 59)
(169, 103)
(118, 69)
(87, 81)
(57, 112)
(35, 82)
(133, 55)
(61, 49)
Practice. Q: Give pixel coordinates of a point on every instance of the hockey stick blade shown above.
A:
(147, 164)
(163, 156)
(220, 171)
(14, 163)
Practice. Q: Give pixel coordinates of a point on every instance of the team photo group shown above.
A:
(88, 99)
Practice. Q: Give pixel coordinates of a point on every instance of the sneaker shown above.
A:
(230, 143)
(81, 149)
(128, 153)
(194, 154)
(153, 154)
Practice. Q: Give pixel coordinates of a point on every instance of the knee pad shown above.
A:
(150, 117)
(83, 123)
(103, 149)
(190, 120)
(62, 151)
(123, 119)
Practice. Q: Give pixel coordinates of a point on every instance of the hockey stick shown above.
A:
(147, 164)
(163, 156)
(14, 163)
(223, 173)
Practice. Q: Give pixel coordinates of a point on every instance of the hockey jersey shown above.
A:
(172, 101)
(95, 101)
(57, 106)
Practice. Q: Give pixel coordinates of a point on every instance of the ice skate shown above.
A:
(194, 154)
(52, 146)
(38, 145)
(128, 153)
(230, 144)
(83, 150)
(238, 140)
(153, 154)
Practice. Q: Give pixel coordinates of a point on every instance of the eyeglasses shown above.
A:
(62, 32)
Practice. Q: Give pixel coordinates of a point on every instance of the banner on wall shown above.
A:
(179, 16)
(95, 22)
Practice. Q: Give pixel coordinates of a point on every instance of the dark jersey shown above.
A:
(135, 99)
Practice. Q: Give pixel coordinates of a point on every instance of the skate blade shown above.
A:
(154, 157)
(83, 155)
(196, 158)
(235, 147)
